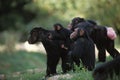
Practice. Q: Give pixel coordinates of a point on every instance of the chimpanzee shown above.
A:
(84, 49)
(52, 48)
(98, 35)
(108, 71)
(63, 35)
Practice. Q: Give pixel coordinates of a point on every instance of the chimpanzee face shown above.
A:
(81, 32)
(77, 33)
(57, 28)
(33, 37)
(37, 35)
(76, 21)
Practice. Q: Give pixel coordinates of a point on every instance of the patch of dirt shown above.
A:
(61, 76)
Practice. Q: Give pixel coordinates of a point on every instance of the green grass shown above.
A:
(79, 75)
(20, 61)
(27, 76)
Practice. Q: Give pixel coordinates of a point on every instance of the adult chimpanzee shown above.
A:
(109, 70)
(52, 48)
(84, 49)
(98, 35)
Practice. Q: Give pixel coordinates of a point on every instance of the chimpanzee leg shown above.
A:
(65, 66)
(52, 61)
(69, 61)
(111, 49)
(77, 61)
(88, 61)
(101, 53)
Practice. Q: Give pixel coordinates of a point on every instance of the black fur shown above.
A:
(54, 52)
(99, 36)
(84, 50)
(109, 70)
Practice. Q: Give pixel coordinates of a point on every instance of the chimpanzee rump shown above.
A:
(83, 50)
(103, 43)
(54, 52)
(109, 70)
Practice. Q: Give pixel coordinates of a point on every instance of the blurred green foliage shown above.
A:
(23, 15)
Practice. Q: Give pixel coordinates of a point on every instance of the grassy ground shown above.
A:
(20, 61)
(22, 65)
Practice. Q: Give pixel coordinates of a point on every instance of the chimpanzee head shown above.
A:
(57, 27)
(99, 73)
(81, 32)
(78, 33)
(37, 34)
(76, 21)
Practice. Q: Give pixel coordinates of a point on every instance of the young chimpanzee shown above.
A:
(99, 36)
(108, 71)
(62, 34)
(84, 49)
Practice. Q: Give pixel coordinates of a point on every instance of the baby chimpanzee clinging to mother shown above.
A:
(101, 36)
